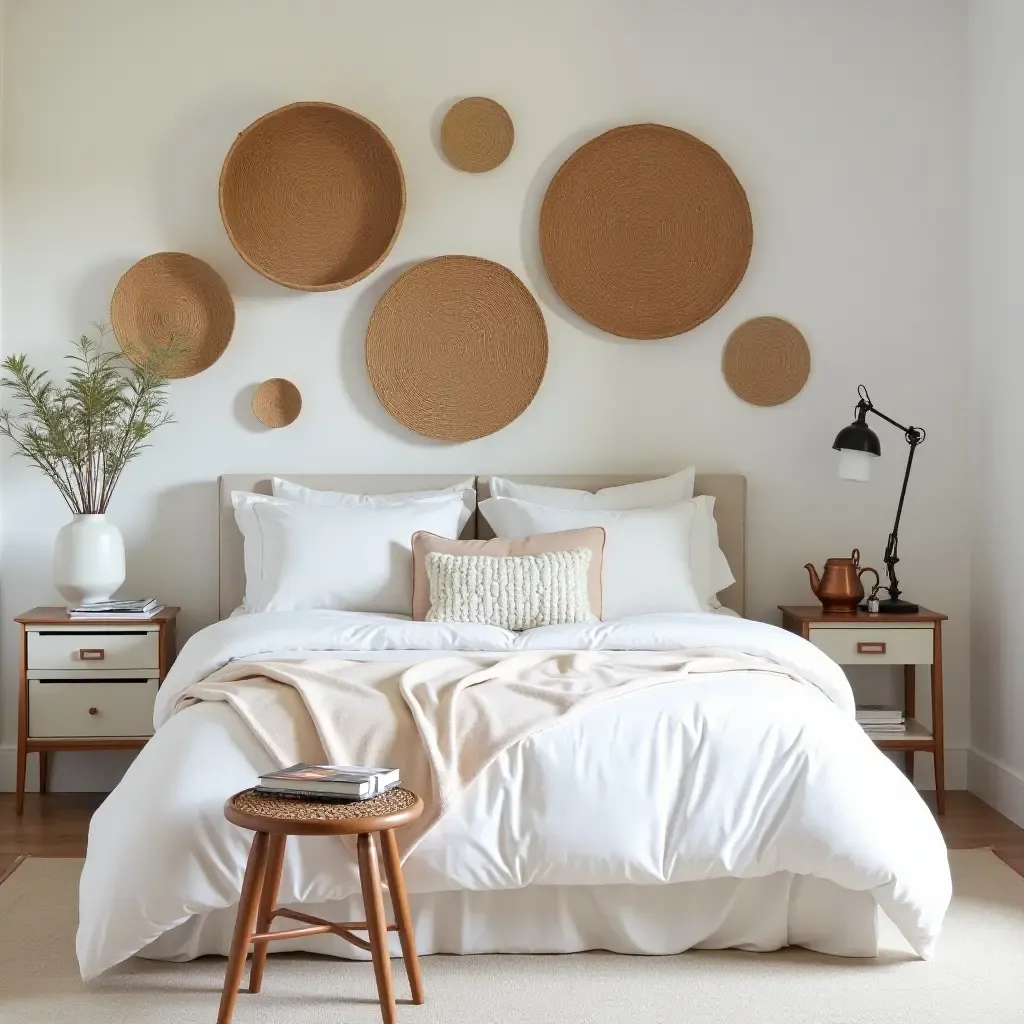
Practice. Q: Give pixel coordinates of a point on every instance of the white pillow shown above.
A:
(346, 557)
(667, 490)
(646, 554)
(646, 494)
(308, 496)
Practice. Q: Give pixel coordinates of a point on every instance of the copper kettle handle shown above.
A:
(874, 572)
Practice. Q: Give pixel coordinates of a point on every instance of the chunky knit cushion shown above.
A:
(511, 591)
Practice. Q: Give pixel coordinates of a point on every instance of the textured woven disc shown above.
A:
(312, 196)
(766, 361)
(277, 402)
(171, 295)
(456, 348)
(264, 806)
(645, 231)
(477, 134)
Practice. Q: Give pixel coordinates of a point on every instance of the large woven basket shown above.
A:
(312, 196)
(456, 348)
(645, 231)
(176, 307)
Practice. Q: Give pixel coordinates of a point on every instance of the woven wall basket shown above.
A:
(766, 361)
(277, 402)
(477, 134)
(173, 298)
(312, 196)
(456, 348)
(645, 231)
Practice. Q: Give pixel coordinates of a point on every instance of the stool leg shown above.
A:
(373, 902)
(400, 903)
(247, 908)
(268, 904)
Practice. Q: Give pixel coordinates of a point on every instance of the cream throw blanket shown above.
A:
(440, 721)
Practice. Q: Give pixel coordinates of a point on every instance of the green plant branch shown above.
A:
(82, 434)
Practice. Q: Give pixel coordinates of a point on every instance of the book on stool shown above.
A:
(344, 783)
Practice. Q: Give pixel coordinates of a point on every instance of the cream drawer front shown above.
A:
(70, 651)
(90, 709)
(874, 645)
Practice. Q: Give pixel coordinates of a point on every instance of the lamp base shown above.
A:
(898, 607)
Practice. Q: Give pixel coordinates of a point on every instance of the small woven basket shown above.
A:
(173, 299)
(477, 134)
(277, 402)
(766, 361)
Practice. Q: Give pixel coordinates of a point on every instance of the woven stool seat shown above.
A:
(273, 819)
(281, 814)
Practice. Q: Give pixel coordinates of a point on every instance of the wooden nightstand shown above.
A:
(907, 640)
(87, 685)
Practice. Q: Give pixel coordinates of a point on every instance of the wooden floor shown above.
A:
(57, 825)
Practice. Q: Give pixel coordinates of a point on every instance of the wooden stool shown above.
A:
(273, 819)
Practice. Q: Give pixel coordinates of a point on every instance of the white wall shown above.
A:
(845, 122)
(997, 365)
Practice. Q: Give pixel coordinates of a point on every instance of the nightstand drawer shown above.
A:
(81, 709)
(874, 645)
(73, 650)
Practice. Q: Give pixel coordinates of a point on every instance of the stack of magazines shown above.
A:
(338, 783)
(143, 608)
(881, 720)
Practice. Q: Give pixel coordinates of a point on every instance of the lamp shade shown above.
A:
(858, 447)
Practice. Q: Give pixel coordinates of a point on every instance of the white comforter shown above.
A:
(743, 774)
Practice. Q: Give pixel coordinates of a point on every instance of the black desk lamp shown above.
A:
(857, 445)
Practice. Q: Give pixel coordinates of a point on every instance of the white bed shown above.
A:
(744, 809)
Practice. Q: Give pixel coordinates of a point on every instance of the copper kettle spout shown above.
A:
(814, 577)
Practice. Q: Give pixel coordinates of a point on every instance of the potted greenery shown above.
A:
(82, 435)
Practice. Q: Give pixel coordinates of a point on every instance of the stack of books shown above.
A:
(143, 608)
(881, 720)
(338, 783)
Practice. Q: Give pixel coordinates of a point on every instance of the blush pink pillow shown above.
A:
(423, 543)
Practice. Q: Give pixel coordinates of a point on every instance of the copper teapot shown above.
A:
(839, 588)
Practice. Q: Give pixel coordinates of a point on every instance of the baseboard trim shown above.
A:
(995, 782)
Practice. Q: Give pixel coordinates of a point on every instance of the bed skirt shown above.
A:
(757, 914)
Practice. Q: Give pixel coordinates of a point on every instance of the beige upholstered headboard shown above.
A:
(729, 490)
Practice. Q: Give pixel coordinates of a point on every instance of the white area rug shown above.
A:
(977, 976)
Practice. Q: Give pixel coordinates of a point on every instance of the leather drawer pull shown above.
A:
(871, 647)
(91, 653)
(94, 711)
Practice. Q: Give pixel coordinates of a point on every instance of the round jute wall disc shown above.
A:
(312, 196)
(172, 298)
(456, 348)
(766, 361)
(277, 402)
(477, 134)
(645, 231)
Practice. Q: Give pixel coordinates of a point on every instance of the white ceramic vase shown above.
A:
(88, 560)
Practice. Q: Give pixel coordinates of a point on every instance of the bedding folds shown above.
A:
(750, 776)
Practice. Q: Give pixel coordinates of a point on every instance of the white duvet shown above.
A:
(739, 775)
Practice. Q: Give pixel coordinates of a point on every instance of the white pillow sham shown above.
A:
(309, 496)
(666, 490)
(646, 554)
(647, 494)
(344, 557)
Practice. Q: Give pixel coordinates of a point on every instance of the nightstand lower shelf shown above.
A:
(916, 737)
